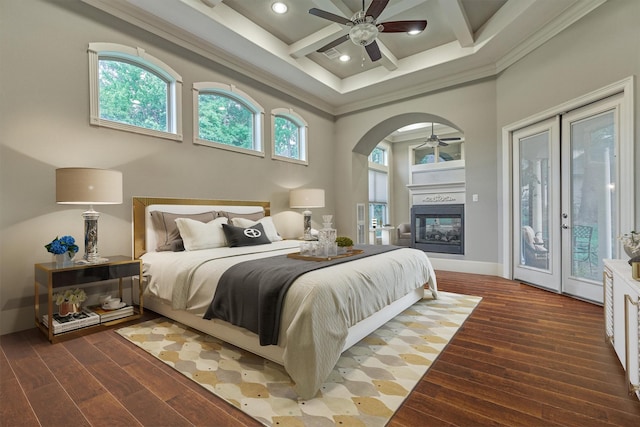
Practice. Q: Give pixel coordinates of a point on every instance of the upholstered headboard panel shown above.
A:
(143, 235)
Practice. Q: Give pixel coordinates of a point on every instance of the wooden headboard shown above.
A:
(140, 205)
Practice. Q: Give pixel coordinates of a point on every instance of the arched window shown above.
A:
(131, 90)
(288, 136)
(225, 117)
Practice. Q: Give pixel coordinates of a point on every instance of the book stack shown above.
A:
(69, 323)
(109, 315)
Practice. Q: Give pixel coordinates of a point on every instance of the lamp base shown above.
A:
(307, 225)
(91, 236)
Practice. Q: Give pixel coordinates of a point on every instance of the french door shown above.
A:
(565, 204)
(536, 184)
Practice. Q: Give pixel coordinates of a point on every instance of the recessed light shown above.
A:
(279, 7)
(344, 58)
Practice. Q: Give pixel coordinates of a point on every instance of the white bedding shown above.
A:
(319, 307)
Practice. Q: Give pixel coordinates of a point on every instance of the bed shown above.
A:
(324, 312)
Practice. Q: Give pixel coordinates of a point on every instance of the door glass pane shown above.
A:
(534, 201)
(592, 194)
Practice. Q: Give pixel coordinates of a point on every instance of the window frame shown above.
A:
(384, 169)
(303, 132)
(139, 58)
(230, 91)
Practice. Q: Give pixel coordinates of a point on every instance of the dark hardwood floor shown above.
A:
(525, 357)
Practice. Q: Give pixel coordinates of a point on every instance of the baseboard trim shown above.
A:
(465, 266)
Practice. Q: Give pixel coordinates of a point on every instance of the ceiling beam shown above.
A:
(388, 60)
(397, 7)
(455, 14)
(211, 3)
(315, 41)
(337, 7)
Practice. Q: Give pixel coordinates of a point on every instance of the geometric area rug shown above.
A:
(368, 384)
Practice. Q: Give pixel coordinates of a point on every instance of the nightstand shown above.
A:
(82, 275)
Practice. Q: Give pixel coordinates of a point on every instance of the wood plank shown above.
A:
(525, 356)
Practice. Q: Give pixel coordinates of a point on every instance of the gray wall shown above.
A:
(44, 113)
(471, 108)
(600, 49)
(44, 116)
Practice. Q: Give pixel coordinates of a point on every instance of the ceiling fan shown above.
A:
(364, 29)
(433, 141)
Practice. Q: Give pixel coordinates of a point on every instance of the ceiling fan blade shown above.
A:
(376, 7)
(403, 26)
(443, 144)
(374, 51)
(449, 139)
(330, 16)
(334, 43)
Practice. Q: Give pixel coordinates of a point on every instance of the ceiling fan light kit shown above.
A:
(364, 29)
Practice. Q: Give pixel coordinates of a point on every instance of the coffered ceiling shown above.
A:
(464, 40)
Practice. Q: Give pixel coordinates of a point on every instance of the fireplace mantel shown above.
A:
(437, 184)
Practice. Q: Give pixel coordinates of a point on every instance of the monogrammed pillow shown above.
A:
(238, 236)
(267, 223)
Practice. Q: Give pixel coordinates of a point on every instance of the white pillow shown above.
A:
(202, 235)
(267, 224)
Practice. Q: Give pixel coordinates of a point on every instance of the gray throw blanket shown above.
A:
(251, 294)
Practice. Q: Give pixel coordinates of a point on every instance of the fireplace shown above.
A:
(438, 228)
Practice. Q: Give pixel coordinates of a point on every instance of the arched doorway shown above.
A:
(363, 170)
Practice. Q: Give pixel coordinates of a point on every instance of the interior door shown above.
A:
(536, 186)
(589, 204)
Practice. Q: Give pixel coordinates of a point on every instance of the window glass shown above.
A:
(425, 155)
(226, 117)
(289, 136)
(133, 95)
(131, 90)
(378, 156)
(378, 188)
(225, 121)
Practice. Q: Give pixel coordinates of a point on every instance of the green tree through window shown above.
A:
(225, 120)
(287, 138)
(133, 95)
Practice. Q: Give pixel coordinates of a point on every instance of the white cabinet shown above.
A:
(622, 317)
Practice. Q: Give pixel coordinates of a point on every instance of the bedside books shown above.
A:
(109, 315)
(69, 323)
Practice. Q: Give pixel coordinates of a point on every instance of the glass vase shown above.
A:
(64, 260)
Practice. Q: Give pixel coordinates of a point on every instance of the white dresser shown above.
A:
(622, 317)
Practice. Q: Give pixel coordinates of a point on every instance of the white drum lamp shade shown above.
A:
(88, 186)
(306, 198)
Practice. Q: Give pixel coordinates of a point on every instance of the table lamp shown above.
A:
(87, 186)
(306, 198)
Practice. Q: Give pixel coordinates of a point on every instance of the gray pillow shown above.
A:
(167, 233)
(252, 216)
(238, 236)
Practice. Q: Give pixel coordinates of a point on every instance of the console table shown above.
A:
(79, 275)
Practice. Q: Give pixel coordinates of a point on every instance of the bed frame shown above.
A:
(234, 335)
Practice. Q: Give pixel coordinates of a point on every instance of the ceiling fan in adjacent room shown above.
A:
(364, 29)
(433, 141)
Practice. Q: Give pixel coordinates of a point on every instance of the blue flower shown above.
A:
(61, 245)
